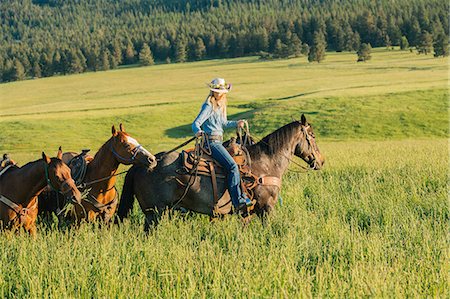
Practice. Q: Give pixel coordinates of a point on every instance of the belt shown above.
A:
(215, 137)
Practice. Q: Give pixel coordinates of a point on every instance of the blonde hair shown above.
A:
(222, 105)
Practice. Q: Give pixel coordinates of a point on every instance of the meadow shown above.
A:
(372, 223)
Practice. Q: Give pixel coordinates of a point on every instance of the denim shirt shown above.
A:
(211, 122)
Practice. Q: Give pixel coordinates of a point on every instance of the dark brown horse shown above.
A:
(159, 190)
(99, 179)
(20, 187)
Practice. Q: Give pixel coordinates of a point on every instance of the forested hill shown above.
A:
(41, 38)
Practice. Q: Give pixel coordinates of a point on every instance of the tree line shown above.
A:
(41, 38)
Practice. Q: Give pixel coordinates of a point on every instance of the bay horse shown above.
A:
(159, 190)
(20, 187)
(99, 179)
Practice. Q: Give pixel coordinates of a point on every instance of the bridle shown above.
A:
(64, 188)
(134, 152)
(310, 147)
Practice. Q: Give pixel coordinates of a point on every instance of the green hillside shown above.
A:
(396, 95)
(372, 223)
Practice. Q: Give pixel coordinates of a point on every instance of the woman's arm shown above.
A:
(205, 112)
(230, 124)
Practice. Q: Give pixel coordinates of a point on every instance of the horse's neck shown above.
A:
(103, 165)
(274, 160)
(32, 175)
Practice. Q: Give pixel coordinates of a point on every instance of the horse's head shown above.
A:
(306, 147)
(127, 150)
(58, 177)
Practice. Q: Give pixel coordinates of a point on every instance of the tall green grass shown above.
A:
(372, 223)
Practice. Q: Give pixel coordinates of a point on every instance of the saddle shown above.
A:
(6, 163)
(205, 165)
(78, 166)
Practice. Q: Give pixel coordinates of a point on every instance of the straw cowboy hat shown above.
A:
(219, 85)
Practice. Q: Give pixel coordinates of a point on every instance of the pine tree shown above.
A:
(364, 52)
(18, 71)
(117, 52)
(46, 63)
(83, 60)
(37, 73)
(57, 68)
(146, 56)
(262, 41)
(223, 44)
(278, 49)
(199, 49)
(404, 44)
(317, 51)
(65, 64)
(180, 51)
(113, 62)
(129, 54)
(161, 48)
(305, 49)
(211, 49)
(295, 47)
(355, 41)
(441, 45)
(75, 65)
(104, 63)
(8, 71)
(425, 43)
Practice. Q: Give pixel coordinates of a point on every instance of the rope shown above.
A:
(177, 147)
(84, 185)
(198, 152)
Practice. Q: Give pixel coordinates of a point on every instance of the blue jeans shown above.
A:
(221, 155)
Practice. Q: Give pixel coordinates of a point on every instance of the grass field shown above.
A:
(372, 223)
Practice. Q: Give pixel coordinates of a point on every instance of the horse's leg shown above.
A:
(151, 219)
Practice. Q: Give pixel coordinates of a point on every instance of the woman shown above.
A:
(211, 121)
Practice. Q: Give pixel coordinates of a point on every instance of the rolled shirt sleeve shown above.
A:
(230, 124)
(205, 112)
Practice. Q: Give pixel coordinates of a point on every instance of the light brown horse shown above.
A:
(20, 187)
(99, 179)
(160, 190)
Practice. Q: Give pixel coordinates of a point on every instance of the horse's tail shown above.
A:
(127, 197)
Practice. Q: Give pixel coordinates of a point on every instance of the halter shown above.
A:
(134, 153)
(63, 189)
(308, 139)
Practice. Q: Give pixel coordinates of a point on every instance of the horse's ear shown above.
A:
(46, 158)
(113, 130)
(303, 119)
(59, 154)
(121, 127)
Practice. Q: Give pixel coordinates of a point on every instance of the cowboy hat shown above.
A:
(219, 85)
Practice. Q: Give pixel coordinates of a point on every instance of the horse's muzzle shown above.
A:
(75, 198)
(152, 163)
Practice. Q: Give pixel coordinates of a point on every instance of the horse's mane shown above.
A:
(275, 141)
(104, 146)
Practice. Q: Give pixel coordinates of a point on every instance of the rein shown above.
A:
(84, 185)
(199, 145)
(175, 148)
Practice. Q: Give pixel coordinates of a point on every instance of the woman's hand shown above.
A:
(241, 123)
(199, 134)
